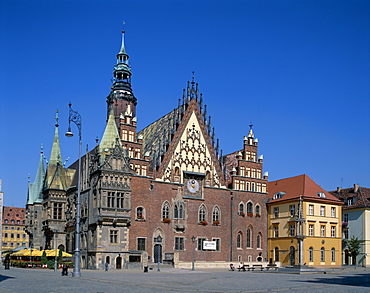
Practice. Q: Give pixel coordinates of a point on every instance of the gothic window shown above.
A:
(241, 209)
(252, 186)
(258, 210)
(248, 186)
(175, 211)
(249, 238)
(181, 211)
(140, 213)
(143, 170)
(249, 209)
(57, 211)
(259, 240)
(166, 210)
(216, 215)
(202, 213)
(239, 240)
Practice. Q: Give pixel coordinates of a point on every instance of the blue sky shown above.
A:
(299, 70)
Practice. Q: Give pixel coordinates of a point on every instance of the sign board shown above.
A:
(209, 245)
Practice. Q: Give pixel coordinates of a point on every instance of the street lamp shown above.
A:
(55, 249)
(192, 262)
(159, 254)
(75, 117)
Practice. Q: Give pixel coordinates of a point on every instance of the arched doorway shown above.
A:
(119, 263)
(292, 255)
(61, 247)
(346, 257)
(157, 253)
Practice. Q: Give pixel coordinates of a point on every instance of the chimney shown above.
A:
(339, 189)
(355, 188)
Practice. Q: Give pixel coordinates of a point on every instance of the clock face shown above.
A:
(193, 185)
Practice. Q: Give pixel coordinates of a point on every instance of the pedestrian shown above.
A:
(7, 262)
(106, 267)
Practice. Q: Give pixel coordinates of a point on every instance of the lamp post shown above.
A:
(159, 252)
(192, 262)
(55, 249)
(75, 117)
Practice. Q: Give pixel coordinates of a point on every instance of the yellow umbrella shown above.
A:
(28, 252)
(55, 252)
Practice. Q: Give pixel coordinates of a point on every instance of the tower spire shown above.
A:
(56, 156)
(121, 93)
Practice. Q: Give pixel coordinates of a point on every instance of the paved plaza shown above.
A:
(175, 280)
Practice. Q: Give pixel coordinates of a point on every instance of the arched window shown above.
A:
(241, 209)
(259, 240)
(175, 211)
(216, 215)
(250, 209)
(181, 211)
(202, 213)
(252, 186)
(249, 237)
(322, 254)
(276, 253)
(333, 254)
(239, 240)
(166, 210)
(107, 259)
(258, 210)
(310, 254)
(140, 213)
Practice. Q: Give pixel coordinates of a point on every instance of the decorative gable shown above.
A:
(192, 153)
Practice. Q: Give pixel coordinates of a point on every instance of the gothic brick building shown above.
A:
(165, 193)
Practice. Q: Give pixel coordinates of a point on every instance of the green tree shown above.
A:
(44, 259)
(60, 256)
(354, 248)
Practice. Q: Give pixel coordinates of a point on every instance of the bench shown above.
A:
(258, 266)
(271, 266)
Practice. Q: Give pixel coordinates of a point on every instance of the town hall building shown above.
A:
(164, 194)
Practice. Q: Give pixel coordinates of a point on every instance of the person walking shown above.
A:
(106, 267)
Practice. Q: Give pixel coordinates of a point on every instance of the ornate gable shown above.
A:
(191, 151)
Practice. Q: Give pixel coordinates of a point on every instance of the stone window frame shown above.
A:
(310, 254)
(141, 242)
(239, 240)
(114, 236)
(179, 243)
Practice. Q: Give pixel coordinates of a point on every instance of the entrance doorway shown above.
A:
(119, 263)
(292, 255)
(157, 253)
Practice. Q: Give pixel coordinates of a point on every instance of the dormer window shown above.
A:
(321, 195)
(278, 195)
(350, 201)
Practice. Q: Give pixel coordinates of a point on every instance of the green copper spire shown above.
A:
(35, 188)
(110, 135)
(56, 157)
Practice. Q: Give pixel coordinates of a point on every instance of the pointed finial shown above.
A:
(42, 149)
(56, 119)
(29, 178)
(250, 125)
(96, 141)
(192, 77)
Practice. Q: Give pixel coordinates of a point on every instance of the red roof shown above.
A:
(13, 213)
(294, 187)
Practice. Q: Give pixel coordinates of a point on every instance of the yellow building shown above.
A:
(13, 232)
(304, 224)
